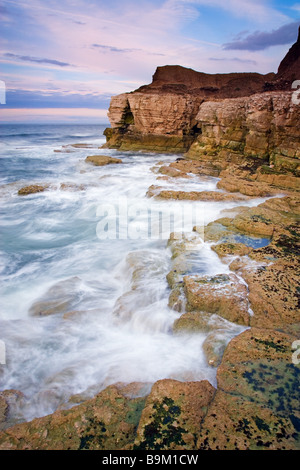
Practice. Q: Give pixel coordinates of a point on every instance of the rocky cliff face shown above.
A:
(289, 68)
(264, 126)
(251, 112)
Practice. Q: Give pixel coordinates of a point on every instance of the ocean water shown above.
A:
(83, 292)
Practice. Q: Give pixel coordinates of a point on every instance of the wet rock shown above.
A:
(177, 299)
(3, 408)
(196, 322)
(223, 294)
(82, 146)
(171, 171)
(182, 247)
(106, 422)
(248, 188)
(134, 389)
(172, 415)
(64, 150)
(58, 299)
(214, 346)
(135, 141)
(287, 178)
(272, 271)
(236, 423)
(274, 293)
(9, 401)
(140, 267)
(158, 192)
(72, 187)
(215, 231)
(102, 160)
(231, 249)
(32, 189)
(218, 333)
(201, 322)
(256, 405)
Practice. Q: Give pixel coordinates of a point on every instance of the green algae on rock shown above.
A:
(106, 422)
(256, 405)
(172, 414)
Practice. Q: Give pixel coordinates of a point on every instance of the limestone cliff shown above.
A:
(264, 126)
(254, 112)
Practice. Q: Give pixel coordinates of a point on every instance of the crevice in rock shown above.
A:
(127, 117)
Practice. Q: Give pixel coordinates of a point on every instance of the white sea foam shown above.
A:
(51, 238)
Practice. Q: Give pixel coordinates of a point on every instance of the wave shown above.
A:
(25, 134)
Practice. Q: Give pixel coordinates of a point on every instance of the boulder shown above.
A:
(106, 422)
(59, 299)
(32, 189)
(256, 405)
(223, 294)
(172, 415)
(102, 160)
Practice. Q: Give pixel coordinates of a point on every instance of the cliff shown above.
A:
(168, 114)
(264, 126)
(289, 68)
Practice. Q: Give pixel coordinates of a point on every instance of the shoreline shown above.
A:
(242, 412)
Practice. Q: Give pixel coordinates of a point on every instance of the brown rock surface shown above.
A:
(106, 422)
(160, 193)
(102, 160)
(32, 189)
(231, 249)
(9, 399)
(224, 294)
(256, 404)
(179, 80)
(239, 112)
(260, 126)
(172, 415)
(250, 138)
(271, 272)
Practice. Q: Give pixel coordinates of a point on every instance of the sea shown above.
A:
(84, 299)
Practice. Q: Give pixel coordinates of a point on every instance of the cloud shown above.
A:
(55, 99)
(106, 49)
(112, 48)
(261, 40)
(38, 60)
(234, 59)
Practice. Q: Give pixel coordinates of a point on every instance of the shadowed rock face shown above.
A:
(289, 68)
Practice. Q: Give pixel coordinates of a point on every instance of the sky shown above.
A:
(62, 60)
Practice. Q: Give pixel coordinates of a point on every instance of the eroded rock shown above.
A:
(172, 414)
(256, 405)
(105, 422)
(32, 189)
(102, 160)
(223, 294)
